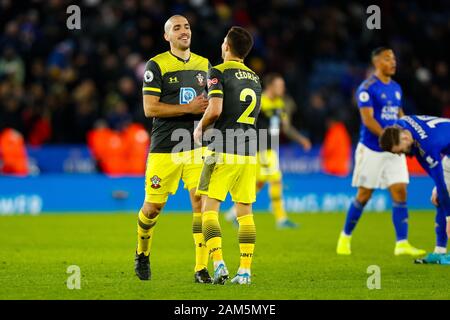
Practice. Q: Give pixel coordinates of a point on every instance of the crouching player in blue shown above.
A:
(427, 138)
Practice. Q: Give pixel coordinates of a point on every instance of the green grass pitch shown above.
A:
(288, 264)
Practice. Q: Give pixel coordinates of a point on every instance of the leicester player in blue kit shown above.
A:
(380, 104)
(428, 139)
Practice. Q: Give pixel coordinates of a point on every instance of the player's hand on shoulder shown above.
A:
(198, 105)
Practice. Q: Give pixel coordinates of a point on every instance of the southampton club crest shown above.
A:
(200, 79)
(155, 182)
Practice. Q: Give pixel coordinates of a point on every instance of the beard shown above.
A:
(182, 45)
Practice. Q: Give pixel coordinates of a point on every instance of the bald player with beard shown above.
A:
(173, 92)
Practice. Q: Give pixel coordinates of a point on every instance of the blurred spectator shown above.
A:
(336, 149)
(119, 152)
(317, 112)
(12, 66)
(13, 154)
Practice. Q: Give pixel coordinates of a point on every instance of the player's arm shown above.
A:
(212, 113)
(154, 108)
(291, 132)
(365, 105)
(369, 121)
(401, 112)
(436, 172)
(443, 197)
(151, 90)
(215, 95)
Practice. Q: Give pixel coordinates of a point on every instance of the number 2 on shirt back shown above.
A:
(245, 116)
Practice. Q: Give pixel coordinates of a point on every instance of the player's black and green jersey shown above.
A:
(240, 89)
(269, 121)
(175, 81)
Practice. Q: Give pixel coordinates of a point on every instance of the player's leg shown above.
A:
(213, 185)
(441, 220)
(268, 170)
(147, 218)
(439, 255)
(201, 252)
(396, 178)
(192, 170)
(400, 219)
(231, 214)
(356, 208)
(247, 239)
(366, 176)
(276, 198)
(399, 211)
(161, 179)
(441, 233)
(243, 196)
(353, 215)
(440, 249)
(261, 179)
(213, 239)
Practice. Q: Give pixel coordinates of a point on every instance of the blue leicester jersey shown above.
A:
(431, 142)
(385, 99)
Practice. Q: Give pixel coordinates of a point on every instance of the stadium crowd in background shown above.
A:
(56, 84)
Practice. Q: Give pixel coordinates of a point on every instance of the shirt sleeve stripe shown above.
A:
(215, 92)
(151, 89)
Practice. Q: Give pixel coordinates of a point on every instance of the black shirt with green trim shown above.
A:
(240, 89)
(175, 81)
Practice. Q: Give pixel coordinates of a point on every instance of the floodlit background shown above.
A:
(60, 87)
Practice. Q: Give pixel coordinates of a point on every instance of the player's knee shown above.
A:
(399, 193)
(151, 210)
(259, 185)
(243, 209)
(363, 196)
(197, 203)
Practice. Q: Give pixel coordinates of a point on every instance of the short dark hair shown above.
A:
(375, 52)
(270, 77)
(389, 138)
(240, 41)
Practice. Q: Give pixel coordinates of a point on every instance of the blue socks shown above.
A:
(400, 219)
(353, 215)
(441, 234)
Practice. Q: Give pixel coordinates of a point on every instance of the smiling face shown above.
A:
(177, 31)
(385, 62)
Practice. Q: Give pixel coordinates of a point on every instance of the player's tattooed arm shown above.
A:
(369, 121)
